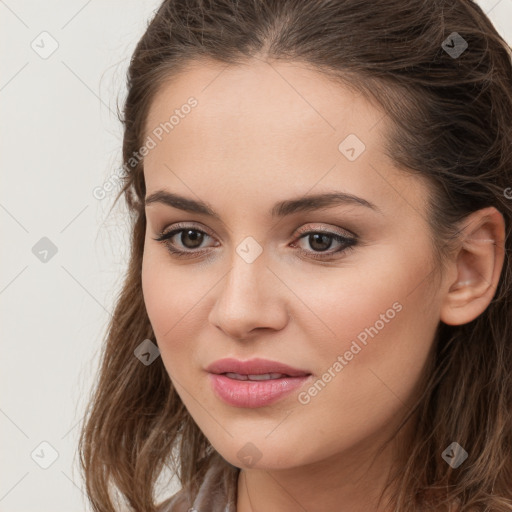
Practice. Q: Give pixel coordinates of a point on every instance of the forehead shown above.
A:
(268, 126)
(263, 97)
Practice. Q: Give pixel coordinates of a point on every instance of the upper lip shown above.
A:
(255, 366)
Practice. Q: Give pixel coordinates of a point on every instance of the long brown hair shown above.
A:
(451, 122)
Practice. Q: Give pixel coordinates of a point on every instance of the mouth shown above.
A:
(255, 377)
(254, 383)
(255, 369)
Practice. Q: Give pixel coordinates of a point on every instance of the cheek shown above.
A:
(157, 285)
(168, 291)
(367, 353)
(376, 317)
(173, 300)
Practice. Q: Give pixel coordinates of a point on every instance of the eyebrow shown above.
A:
(280, 209)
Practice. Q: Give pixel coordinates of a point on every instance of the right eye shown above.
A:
(189, 237)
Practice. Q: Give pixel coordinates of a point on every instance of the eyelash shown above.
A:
(166, 236)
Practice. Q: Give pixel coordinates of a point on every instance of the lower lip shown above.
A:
(247, 393)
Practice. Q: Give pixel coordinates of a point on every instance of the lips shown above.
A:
(254, 367)
(254, 383)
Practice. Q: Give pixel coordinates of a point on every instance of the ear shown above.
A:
(476, 266)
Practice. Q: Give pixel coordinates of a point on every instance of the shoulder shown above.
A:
(217, 492)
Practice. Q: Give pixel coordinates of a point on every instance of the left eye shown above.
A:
(192, 238)
(321, 241)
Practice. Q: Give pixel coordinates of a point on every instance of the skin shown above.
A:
(261, 133)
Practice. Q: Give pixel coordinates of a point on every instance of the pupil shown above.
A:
(315, 237)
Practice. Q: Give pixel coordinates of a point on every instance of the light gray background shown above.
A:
(60, 139)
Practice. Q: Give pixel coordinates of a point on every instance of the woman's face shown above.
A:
(357, 315)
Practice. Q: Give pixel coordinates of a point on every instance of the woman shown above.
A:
(316, 310)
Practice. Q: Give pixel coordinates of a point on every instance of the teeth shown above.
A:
(264, 376)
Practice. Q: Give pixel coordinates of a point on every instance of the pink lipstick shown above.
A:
(254, 383)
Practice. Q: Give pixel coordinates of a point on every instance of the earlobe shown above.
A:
(477, 267)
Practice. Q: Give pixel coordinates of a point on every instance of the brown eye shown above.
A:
(184, 241)
(194, 236)
(187, 241)
(321, 241)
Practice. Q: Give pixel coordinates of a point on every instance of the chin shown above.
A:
(263, 456)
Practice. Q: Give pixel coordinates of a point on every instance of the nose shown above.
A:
(250, 298)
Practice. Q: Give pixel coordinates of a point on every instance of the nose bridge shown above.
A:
(248, 297)
(248, 269)
(245, 283)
